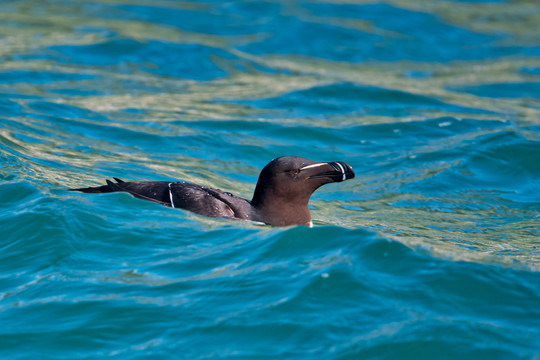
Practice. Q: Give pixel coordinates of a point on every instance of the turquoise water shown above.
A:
(431, 252)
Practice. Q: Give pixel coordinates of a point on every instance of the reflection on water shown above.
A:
(434, 103)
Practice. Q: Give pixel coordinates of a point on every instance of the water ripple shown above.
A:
(430, 252)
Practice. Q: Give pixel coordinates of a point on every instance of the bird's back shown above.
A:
(182, 195)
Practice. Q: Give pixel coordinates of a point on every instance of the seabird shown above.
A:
(281, 196)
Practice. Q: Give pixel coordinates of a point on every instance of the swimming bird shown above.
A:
(281, 195)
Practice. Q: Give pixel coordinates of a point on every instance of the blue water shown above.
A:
(431, 252)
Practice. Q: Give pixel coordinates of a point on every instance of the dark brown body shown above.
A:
(281, 196)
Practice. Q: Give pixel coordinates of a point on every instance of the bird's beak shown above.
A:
(336, 171)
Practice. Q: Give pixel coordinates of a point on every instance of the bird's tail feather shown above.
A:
(110, 187)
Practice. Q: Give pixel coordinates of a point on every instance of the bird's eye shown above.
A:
(295, 171)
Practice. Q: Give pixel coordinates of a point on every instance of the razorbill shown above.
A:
(281, 196)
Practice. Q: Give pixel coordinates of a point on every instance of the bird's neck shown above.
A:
(282, 213)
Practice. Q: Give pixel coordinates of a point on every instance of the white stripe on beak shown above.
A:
(312, 166)
(342, 170)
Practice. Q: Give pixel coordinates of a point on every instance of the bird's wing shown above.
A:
(199, 199)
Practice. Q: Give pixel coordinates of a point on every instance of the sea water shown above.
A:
(431, 252)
